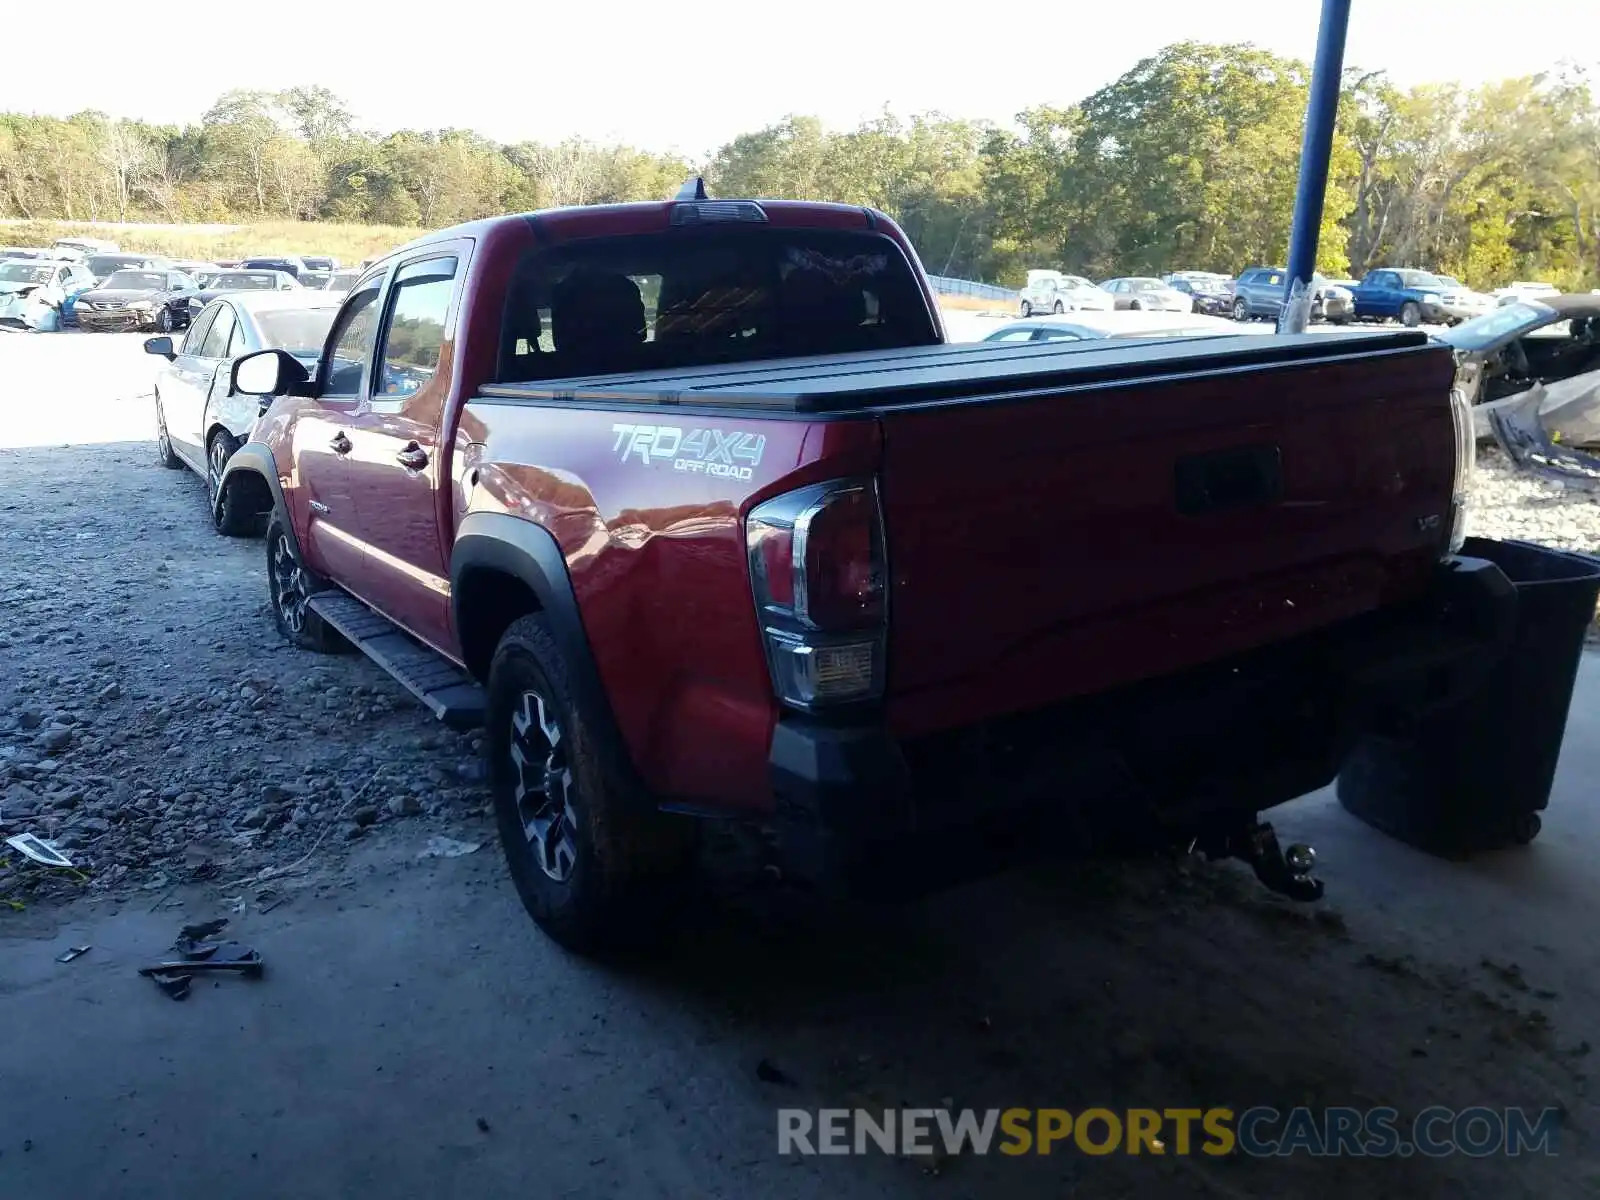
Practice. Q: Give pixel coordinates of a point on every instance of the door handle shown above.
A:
(413, 457)
(340, 443)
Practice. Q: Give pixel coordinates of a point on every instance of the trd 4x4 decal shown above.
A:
(731, 455)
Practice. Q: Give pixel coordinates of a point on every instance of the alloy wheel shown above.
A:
(289, 592)
(543, 786)
(163, 442)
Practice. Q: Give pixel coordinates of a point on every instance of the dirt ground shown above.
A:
(415, 1035)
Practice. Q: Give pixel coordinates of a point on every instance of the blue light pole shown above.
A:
(1322, 112)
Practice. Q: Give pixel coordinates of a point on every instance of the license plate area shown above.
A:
(1239, 477)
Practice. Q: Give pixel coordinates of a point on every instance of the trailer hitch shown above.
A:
(1285, 871)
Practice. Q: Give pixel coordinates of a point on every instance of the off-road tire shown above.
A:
(164, 452)
(1410, 314)
(228, 512)
(629, 860)
(308, 631)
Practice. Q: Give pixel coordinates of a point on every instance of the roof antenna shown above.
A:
(693, 189)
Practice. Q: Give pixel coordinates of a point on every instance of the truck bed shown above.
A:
(960, 372)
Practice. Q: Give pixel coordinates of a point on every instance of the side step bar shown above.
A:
(452, 695)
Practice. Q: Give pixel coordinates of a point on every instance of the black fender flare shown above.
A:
(529, 552)
(256, 458)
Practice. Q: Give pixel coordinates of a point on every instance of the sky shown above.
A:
(688, 77)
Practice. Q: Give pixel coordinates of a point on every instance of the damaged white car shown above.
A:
(32, 292)
(1531, 371)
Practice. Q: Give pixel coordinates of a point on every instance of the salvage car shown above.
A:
(84, 248)
(1212, 293)
(242, 281)
(200, 419)
(692, 507)
(1461, 303)
(1524, 289)
(32, 289)
(10, 252)
(322, 264)
(1401, 294)
(1542, 352)
(103, 266)
(1141, 293)
(290, 264)
(1092, 326)
(342, 280)
(1052, 292)
(153, 299)
(1259, 294)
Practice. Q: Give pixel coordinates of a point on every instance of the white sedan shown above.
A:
(200, 419)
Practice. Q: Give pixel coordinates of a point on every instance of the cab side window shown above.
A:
(352, 344)
(413, 336)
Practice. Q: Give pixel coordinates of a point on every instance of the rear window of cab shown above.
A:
(694, 297)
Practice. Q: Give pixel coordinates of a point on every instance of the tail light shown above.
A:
(818, 571)
(1466, 464)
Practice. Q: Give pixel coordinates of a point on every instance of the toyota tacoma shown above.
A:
(693, 508)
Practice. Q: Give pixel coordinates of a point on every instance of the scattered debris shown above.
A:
(195, 955)
(446, 847)
(72, 952)
(768, 1073)
(39, 850)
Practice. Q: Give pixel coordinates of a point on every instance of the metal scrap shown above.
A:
(39, 850)
(1520, 429)
(192, 954)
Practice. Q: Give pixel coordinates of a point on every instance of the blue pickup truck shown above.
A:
(1404, 295)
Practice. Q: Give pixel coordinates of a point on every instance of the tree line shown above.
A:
(1188, 161)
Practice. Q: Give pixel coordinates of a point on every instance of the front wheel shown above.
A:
(228, 510)
(591, 859)
(1027, 309)
(292, 587)
(1241, 309)
(1410, 315)
(164, 322)
(1058, 308)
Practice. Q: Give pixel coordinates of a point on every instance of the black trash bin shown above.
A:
(1474, 776)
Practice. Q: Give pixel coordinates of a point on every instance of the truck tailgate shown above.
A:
(1084, 536)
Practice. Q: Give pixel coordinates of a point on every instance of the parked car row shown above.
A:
(96, 286)
(1412, 297)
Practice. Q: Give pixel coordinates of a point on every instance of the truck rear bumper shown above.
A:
(1157, 763)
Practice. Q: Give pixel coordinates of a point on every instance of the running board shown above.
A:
(448, 691)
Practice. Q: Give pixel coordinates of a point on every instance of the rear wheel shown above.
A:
(164, 452)
(592, 860)
(1241, 309)
(228, 509)
(292, 587)
(1410, 314)
(1134, 306)
(1058, 308)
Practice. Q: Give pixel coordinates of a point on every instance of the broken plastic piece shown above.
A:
(72, 952)
(445, 847)
(39, 850)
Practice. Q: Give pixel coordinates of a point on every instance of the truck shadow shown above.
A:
(1141, 985)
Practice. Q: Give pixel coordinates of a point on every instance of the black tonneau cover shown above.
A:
(927, 374)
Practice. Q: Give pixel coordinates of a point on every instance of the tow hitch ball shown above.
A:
(1285, 871)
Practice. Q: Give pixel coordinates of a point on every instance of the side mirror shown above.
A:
(161, 346)
(268, 373)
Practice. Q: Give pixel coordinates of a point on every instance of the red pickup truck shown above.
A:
(693, 507)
